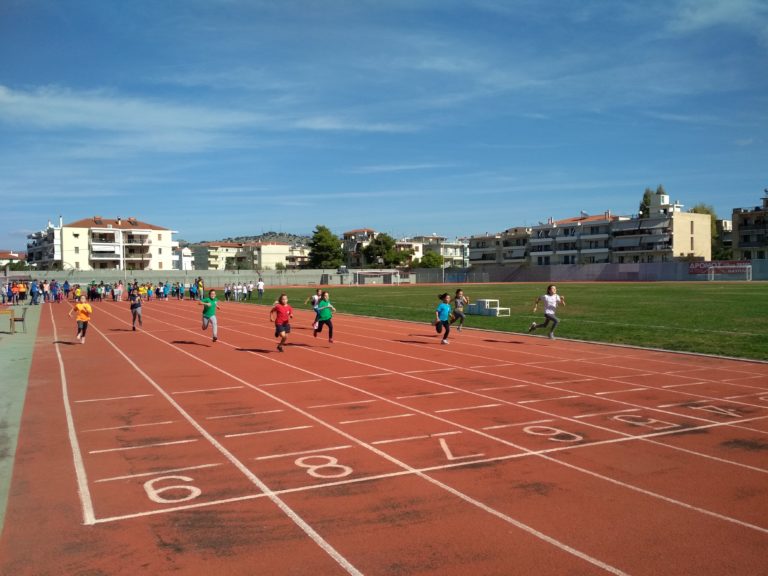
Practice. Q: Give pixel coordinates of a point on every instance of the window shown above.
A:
(160, 236)
(691, 226)
(160, 265)
(77, 249)
(159, 251)
(691, 242)
(77, 265)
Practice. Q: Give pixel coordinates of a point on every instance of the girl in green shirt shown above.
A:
(325, 312)
(209, 313)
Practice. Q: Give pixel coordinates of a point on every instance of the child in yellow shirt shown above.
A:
(84, 312)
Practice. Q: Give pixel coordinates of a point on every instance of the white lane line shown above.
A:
(499, 426)
(466, 408)
(430, 370)
(686, 384)
(607, 413)
(342, 404)
(688, 403)
(376, 419)
(619, 391)
(366, 375)
(86, 503)
(274, 498)
(425, 395)
(153, 445)
(763, 393)
(128, 426)
(156, 473)
(114, 398)
(548, 399)
(501, 387)
(424, 437)
(266, 431)
(491, 366)
(208, 390)
(289, 382)
(285, 455)
(241, 414)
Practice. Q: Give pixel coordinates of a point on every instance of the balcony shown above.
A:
(602, 236)
(761, 243)
(539, 241)
(595, 250)
(566, 252)
(104, 256)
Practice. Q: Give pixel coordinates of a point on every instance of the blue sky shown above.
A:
(229, 117)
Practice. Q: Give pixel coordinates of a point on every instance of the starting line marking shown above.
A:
(143, 474)
(606, 413)
(266, 431)
(242, 414)
(548, 399)
(499, 426)
(424, 437)
(619, 391)
(143, 446)
(466, 408)
(375, 419)
(115, 398)
(342, 404)
(685, 384)
(272, 456)
(209, 390)
(290, 382)
(127, 426)
(425, 395)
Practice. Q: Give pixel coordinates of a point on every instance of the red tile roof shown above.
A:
(122, 224)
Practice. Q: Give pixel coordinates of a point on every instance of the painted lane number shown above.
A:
(553, 434)
(328, 467)
(182, 492)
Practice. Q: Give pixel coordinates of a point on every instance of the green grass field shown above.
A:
(729, 319)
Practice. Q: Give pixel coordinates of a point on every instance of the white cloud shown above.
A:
(337, 124)
(396, 168)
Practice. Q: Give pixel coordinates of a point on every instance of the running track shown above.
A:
(385, 453)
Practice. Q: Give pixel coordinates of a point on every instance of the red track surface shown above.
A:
(384, 453)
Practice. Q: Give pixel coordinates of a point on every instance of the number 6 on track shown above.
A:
(190, 492)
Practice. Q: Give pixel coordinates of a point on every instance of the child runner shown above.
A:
(325, 312)
(315, 300)
(135, 300)
(281, 315)
(209, 313)
(442, 316)
(551, 299)
(84, 312)
(459, 301)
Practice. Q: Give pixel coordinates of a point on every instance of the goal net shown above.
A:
(377, 277)
(741, 273)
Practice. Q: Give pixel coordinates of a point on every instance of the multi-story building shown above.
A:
(666, 234)
(485, 249)
(183, 259)
(247, 256)
(580, 240)
(724, 241)
(416, 249)
(455, 253)
(102, 244)
(750, 232)
(353, 243)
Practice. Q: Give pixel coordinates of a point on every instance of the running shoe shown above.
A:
(214, 338)
(445, 341)
(314, 333)
(532, 327)
(330, 340)
(279, 347)
(551, 336)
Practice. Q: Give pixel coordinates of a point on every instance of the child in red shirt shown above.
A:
(281, 315)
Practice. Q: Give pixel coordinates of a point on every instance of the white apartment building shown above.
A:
(455, 253)
(102, 244)
(183, 259)
(508, 247)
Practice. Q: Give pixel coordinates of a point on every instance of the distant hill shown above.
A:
(284, 237)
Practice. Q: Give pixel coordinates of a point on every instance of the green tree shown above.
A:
(280, 266)
(382, 251)
(430, 260)
(324, 249)
(645, 204)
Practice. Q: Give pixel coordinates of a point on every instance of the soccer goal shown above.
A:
(369, 277)
(741, 273)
